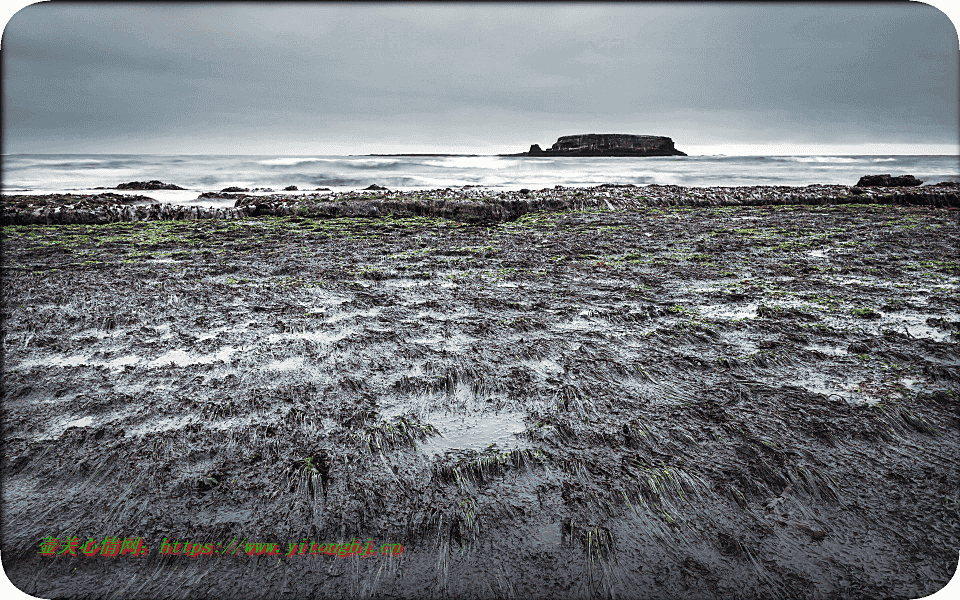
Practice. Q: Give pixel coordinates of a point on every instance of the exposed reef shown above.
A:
(657, 393)
(466, 206)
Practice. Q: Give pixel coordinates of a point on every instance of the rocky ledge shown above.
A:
(467, 206)
(887, 181)
(607, 144)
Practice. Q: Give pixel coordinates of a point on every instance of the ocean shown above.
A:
(81, 173)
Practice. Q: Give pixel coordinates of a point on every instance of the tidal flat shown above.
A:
(659, 401)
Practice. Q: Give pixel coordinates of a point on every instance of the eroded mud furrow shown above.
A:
(689, 402)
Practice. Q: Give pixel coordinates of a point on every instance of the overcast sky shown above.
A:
(359, 78)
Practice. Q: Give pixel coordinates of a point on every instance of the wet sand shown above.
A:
(685, 402)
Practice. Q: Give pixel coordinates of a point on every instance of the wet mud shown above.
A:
(646, 402)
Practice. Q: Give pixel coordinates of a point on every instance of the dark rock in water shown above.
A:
(234, 189)
(616, 185)
(953, 184)
(223, 194)
(322, 190)
(290, 188)
(607, 144)
(131, 200)
(148, 185)
(888, 181)
(375, 187)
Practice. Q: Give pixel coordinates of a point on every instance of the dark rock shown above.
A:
(535, 149)
(524, 191)
(133, 200)
(290, 188)
(888, 181)
(616, 185)
(375, 187)
(610, 144)
(322, 190)
(856, 191)
(951, 184)
(148, 185)
(234, 189)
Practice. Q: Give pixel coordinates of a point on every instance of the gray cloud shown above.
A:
(250, 78)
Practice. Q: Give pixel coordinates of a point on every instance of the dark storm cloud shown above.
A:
(249, 78)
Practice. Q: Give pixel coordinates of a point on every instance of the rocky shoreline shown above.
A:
(689, 399)
(465, 205)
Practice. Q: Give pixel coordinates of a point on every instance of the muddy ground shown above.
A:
(740, 402)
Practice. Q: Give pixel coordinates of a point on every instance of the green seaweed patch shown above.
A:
(402, 432)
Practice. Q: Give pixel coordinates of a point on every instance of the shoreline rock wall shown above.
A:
(479, 209)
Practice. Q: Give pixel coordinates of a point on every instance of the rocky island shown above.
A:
(606, 144)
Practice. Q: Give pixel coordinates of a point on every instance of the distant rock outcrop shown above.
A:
(607, 144)
(888, 181)
(148, 185)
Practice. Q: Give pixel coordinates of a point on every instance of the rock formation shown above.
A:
(148, 185)
(607, 144)
(888, 181)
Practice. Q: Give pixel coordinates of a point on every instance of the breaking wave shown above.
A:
(201, 173)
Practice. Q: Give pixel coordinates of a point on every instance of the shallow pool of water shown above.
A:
(474, 432)
(182, 358)
(82, 422)
(289, 364)
(322, 337)
(912, 322)
(729, 311)
(162, 424)
(457, 342)
(832, 385)
(828, 350)
(353, 314)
